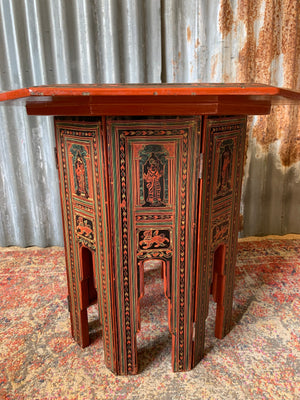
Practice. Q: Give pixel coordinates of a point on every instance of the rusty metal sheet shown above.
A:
(112, 41)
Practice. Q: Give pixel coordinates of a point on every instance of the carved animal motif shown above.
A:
(155, 240)
(83, 228)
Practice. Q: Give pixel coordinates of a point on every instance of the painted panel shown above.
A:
(83, 189)
(79, 172)
(219, 216)
(154, 168)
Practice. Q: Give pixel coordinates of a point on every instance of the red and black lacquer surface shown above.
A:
(150, 172)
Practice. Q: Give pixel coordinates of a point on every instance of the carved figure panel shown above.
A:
(153, 176)
(152, 168)
(224, 173)
(84, 230)
(80, 170)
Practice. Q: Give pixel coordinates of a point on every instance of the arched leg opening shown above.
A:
(218, 288)
(141, 291)
(88, 292)
(167, 276)
(152, 310)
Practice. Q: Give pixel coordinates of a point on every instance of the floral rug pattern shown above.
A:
(258, 359)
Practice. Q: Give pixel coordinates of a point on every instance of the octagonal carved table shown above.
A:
(150, 172)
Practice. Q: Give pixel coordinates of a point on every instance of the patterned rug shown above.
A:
(258, 359)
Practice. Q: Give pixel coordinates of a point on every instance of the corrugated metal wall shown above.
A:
(111, 41)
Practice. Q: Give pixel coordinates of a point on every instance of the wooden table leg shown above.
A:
(223, 154)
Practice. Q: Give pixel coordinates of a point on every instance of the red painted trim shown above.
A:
(150, 99)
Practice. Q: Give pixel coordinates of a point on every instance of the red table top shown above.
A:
(150, 99)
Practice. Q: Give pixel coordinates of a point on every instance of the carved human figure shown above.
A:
(80, 176)
(224, 183)
(152, 179)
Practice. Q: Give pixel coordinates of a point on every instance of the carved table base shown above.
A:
(135, 189)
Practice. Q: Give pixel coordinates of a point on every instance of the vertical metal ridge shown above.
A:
(35, 44)
(85, 52)
(59, 42)
(153, 41)
(107, 41)
(11, 47)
